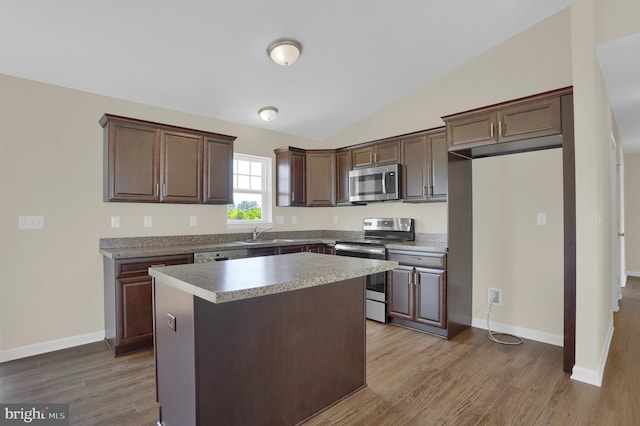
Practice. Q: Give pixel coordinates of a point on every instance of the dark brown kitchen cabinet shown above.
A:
(519, 120)
(320, 178)
(181, 167)
(154, 162)
(218, 170)
(128, 310)
(376, 154)
(424, 161)
(343, 167)
(418, 291)
(290, 177)
(292, 249)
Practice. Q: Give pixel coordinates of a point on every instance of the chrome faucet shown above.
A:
(256, 234)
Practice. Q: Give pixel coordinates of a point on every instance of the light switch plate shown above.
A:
(115, 221)
(193, 220)
(171, 321)
(30, 222)
(542, 219)
(148, 222)
(294, 219)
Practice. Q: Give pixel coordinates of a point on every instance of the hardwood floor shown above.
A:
(413, 379)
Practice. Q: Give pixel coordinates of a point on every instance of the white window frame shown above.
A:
(267, 193)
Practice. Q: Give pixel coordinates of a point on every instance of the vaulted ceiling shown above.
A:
(209, 57)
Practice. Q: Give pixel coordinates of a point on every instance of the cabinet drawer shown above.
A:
(419, 258)
(140, 266)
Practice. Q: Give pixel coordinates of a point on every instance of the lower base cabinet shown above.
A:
(128, 293)
(418, 291)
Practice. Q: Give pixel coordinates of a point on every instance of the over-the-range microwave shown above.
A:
(375, 183)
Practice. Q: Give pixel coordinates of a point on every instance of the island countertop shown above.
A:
(237, 279)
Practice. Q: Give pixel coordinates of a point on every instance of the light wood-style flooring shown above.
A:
(413, 379)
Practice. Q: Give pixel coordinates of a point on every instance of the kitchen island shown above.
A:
(267, 340)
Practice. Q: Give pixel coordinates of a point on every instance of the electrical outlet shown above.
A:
(30, 222)
(280, 220)
(148, 222)
(494, 295)
(171, 321)
(542, 219)
(294, 220)
(115, 221)
(193, 220)
(335, 219)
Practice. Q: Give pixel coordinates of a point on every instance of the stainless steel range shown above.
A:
(378, 232)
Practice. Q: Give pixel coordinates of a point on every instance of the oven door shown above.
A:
(375, 284)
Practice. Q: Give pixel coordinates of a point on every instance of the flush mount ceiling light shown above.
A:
(284, 51)
(268, 113)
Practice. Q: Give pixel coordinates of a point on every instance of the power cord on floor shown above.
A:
(492, 335)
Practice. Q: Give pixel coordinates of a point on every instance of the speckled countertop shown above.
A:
(237, 279)
(132, 247)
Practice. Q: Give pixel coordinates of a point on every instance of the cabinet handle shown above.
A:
(375, 157)
(499, 128)
(155, 191)
(491, 128)
(293, 196)
(164, 189)
(413, 277)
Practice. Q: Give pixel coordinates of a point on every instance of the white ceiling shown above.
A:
(620, 65)
(208, 57)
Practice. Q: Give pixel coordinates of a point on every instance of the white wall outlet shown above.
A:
(494, 295)
(30, 222)
(542, 219)
(193, 220)
(115, 221)
(335, 218)
(148, 221)
(280, 220)
(294, 219)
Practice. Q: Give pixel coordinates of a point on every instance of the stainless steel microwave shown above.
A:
(375, 183)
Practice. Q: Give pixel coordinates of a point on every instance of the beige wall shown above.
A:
(632, 212)
(593, 128)
(52, 166)
(616, 19)
(511, 251)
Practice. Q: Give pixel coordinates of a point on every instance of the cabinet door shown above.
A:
(291, 249)
(415, 171)
(321, 178)
(401, 293)
(438, 160)
(362, 157)
(298, 181)
(218, 171)
(181, 169)
(472, 130)
(133, 159)
(529, 120)
(387, 153)
(343, 167)
(431, 297)
(136, 320)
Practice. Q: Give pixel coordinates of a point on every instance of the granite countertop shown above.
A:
(167, 250)
(237, 279)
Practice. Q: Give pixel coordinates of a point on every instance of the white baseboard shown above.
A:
(633, 274)
(526, 333)
(49, 346)
(594, 377)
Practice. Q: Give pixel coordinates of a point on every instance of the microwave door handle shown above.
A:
(384, 182)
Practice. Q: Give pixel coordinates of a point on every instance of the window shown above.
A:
(251, 190)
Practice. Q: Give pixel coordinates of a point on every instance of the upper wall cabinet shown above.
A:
(424, 160)
(290, 177)
(321, 178)
(343, 167)
(519, 120)
(153, 162)
(376, 154)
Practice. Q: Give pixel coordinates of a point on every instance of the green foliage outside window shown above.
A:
(246, 210)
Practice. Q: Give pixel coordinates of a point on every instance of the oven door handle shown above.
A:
(359, 249)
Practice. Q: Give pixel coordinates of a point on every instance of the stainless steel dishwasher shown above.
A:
(214, 256)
